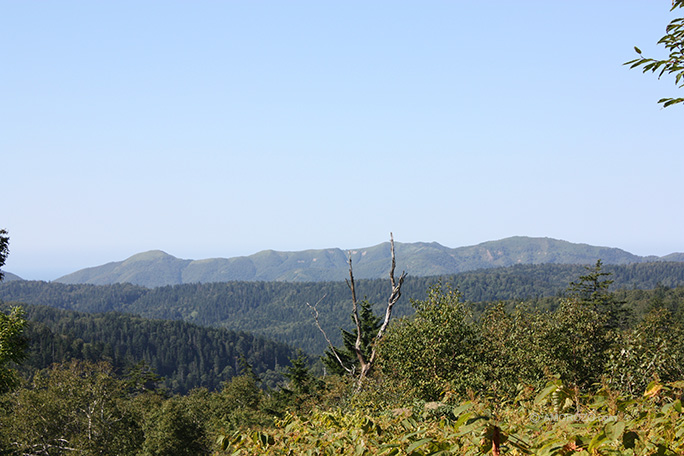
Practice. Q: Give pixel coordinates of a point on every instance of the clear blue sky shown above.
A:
(219, 129)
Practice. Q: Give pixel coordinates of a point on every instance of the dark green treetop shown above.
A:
(4, 249)
(370, 324)
(592, 289)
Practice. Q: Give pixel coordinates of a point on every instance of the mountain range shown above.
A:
(157, 268)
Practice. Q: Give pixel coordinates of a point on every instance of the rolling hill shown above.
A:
(8, 276)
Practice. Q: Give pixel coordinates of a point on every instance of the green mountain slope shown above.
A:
(156, 268)
(8, 276)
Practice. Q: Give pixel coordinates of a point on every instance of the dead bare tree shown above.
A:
(366, 362)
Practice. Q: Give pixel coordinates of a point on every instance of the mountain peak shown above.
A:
(150, 255)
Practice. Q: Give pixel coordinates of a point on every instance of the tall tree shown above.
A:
(172, 430)
(434, 351)
(4, 250)
(75, 408)
(674, 63)
(370, 324)
(592, 290)
(12, 343)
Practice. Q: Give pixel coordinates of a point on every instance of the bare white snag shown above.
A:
(366, 364)
(393, 298)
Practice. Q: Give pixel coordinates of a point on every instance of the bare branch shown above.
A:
(314, 309)
(393, 298)
(355, 315)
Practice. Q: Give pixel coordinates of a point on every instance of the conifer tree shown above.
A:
(592, 290)
(370, 323)
(4, 250)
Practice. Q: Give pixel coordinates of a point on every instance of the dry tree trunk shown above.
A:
(366, 364)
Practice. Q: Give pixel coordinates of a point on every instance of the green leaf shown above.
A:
(548, 390)
(417, 444)
(671, 101)
(462, 419)
(637, 50)
(390, 452)
(462, 408)
(654, 387)
(614, 430)
(598, 441)
(222, 441)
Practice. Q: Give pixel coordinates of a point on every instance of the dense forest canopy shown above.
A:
(278, 310)
(84, 368)
(185, 355)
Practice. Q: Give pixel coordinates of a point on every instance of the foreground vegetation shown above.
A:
(600, 423)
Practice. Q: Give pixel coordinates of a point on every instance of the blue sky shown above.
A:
(219, 129)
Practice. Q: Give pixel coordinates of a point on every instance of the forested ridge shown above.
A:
(278, 310)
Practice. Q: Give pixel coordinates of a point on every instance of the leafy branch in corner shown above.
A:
(674, 64)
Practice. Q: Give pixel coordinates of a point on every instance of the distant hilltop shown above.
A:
(9, 277)
(157, 268)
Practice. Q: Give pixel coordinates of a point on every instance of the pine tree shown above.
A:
(592, 289)
(370, 323)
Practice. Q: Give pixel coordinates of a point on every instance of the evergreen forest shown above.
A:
(278, 310)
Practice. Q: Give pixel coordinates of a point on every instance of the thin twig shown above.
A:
(396, 291)
(314, 309)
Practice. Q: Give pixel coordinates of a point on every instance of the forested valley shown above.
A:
(184, 355)
(278, 310)
(594, 364)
